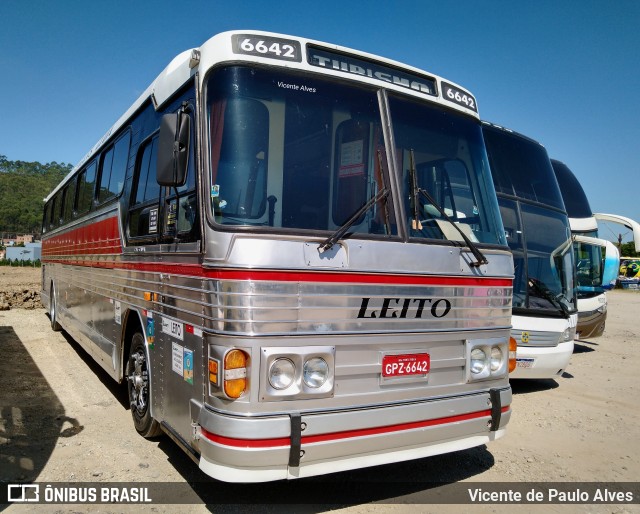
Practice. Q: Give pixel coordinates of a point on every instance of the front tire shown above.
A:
(139, 388)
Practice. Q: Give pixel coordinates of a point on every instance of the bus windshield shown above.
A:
(296, 151)
(542, 257)
(443, 154)
(589, 267)
(535, 224)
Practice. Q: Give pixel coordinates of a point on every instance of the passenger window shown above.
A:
(69, 197)
(52, 218)
(144, 212)
(45, 217)
(113, 169)
(85, 191)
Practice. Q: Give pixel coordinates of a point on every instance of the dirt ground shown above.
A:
(62, 419)
(19, 287)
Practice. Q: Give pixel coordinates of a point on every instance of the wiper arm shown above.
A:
(415, 190)
(547, 295)
(382, 194)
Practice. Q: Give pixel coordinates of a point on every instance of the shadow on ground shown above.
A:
(32, 419)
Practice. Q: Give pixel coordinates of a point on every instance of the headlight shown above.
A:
(487, 358)
(315, 372)
(478, 361)
(496, 358)
(569, 334)
(296, 372)
(281, 373)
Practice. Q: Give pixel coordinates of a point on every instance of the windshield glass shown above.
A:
(540, 241)
(590, 267)
(294, 151)
(574, 197)
(521, 168)
(447, 153)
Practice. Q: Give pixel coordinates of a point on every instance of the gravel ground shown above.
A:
(64, 420)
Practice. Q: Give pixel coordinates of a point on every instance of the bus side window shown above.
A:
(45, 217)
(113, 167)
(52, 213)
(145, 195)
(69, 197)
(85, 189)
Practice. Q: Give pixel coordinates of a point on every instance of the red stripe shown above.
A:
(101, 238)
(349, 434)
(196, 270)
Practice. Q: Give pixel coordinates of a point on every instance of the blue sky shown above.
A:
(563, 72)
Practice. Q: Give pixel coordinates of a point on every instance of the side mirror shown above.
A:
(173, 149)
(611, 266)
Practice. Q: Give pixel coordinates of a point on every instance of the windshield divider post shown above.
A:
(413, 179)
(387, 224)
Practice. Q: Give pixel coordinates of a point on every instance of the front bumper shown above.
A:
(591, 324)
(542, 362)
(266, 448)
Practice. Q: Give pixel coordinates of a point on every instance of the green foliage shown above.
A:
(628, 250)
(17, 262)
(23, 186)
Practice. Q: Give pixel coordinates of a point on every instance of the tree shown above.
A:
(23, 186)
(628, 250)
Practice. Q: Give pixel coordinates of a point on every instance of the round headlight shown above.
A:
(478, 361)
(281, 373)
(496, 358)
(315, 372)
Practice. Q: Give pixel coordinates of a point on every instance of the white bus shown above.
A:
(260, 248)
(597, 260)
(537, 230)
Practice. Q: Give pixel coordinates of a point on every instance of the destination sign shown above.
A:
(355, 66)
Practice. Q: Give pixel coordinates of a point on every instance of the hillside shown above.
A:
(23, 185)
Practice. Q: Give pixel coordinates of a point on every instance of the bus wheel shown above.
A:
(139, 387)
(53, 311)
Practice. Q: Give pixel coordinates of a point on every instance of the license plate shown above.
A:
(524, 363)
(405, 365)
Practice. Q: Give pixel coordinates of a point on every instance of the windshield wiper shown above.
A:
(548, 295)
(415, 223)
(382, 194)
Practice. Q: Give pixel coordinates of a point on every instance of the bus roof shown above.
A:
(338, 61)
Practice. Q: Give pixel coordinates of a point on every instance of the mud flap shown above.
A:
(496, 409)
(296, 438)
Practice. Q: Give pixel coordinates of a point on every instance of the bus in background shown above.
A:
(597, 260)
(267, 247)
(537, 231)
(629, 271)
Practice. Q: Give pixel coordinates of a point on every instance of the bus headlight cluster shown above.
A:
(487, 359)
(297, 372)
(569, 334)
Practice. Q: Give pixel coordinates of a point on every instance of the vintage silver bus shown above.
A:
(292, 254)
